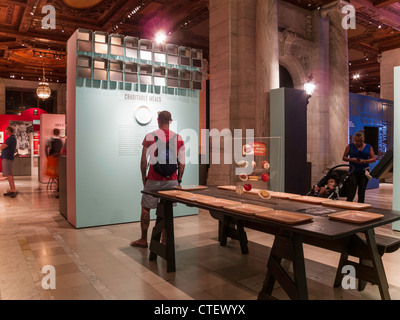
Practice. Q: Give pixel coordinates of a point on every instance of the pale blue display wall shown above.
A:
(108, 152)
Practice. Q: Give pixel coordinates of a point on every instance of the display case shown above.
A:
(172, 54)
(132, 47)
(117, 45)
(146, 74)
(160, 53)
(146, 50)
(116, 70)
(131, 72)
(172, 77)
(84, 67)
(185, 56)
(184, 79)
(101, 43)
(197, 78)
(256, 170)
(84, 40)
(197, 58)
(100, 69)
(160, 76)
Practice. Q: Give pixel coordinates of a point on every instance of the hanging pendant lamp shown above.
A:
(43, 90)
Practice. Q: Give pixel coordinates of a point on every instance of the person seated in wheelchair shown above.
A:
(326, 190)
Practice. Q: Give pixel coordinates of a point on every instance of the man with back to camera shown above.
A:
(154, 180)
(8, 150)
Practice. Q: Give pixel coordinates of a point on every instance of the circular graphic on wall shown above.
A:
(143, 115)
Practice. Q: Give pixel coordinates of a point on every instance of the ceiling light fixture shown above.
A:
(160, 37)
(43, 90)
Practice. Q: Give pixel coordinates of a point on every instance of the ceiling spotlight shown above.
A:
(380, 26)
(161, 37)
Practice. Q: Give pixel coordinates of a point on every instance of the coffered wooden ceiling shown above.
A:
(25, 48)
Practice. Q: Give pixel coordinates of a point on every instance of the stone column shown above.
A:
(267, 61)
(223, 26)
(318, 108)
(2, 97)
(390, 59)
(339, 83)
(233, 74)
(61, 99)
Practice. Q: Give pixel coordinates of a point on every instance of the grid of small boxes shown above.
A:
(125, 59)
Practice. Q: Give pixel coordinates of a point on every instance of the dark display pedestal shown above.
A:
(289, 121)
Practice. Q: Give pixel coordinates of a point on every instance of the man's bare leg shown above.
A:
(12, 183)
(144, 225)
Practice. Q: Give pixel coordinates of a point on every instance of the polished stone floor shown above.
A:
(97, 263)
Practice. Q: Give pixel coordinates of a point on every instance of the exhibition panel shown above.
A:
(114, 104)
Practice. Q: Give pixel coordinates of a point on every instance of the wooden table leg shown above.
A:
(378, 265)
(233, 229)
(290, 249)
(166, 251)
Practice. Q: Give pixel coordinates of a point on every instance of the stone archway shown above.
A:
(293, 66)
(285, 78)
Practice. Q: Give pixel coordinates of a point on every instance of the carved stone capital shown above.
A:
(333, 7)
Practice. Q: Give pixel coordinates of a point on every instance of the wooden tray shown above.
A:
(170, 193)
(355, 216)
(201, 197)
(247, 209)
(188, 196)
(347, 205)
(283, 195)
(191, 188)
(229, 188)
(219, 203)
(312, 200)
(285, 217)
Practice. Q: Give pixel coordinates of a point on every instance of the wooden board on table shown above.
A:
(283, 195)
(201, 197)
(347, 205)
(355, 216)
(229, 188)
(188, 196)
(194, 197)
(285, 217)
(219, 203)
(191, 188)
(170, 193)
(248, 209)
(312, 200)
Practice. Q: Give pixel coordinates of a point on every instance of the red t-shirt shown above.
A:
(163, 135)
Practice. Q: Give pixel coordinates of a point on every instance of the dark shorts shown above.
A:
(150, 202)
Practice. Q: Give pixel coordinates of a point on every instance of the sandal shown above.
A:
(138, 245)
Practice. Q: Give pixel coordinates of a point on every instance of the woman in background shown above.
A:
(360, 155)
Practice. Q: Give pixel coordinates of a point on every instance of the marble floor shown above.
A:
(98, 264)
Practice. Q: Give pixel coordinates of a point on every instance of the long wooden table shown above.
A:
(289, 239)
